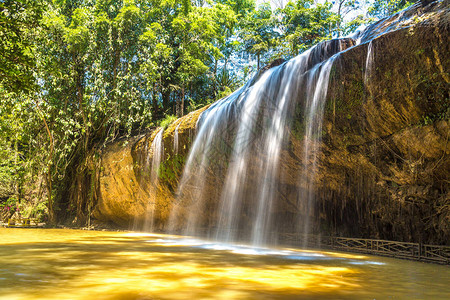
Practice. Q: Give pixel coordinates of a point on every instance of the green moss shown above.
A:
(298, 124)
(433, 96)
(170, 171)
(349, 97)
(388, 74)
(169, 130)
(167, 121)
(186, 122)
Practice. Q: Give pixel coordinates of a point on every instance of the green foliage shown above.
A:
(225, 92)
(39, 211)
(10, 205)
(193, 105)
(305, 24)
(170, 170)
(345, 8)
(383, 8)
(432, 93)
(426, 120)
(75, 75)
(226, 83)
(17, 19)
(353, 24)
(259, 32)
(240, 7)
(18, 157)
(167, 121)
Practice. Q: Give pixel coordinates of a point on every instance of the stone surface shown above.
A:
(384, 166)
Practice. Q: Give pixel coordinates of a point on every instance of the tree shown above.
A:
(88, 68)
(259, 33)
(305, 24)
(240, 7)
(17, 17)
(344, 7)
(384, 8)
(76, 74)
(11, 136)
(18, 20)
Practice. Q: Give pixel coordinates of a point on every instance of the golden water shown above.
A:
(76, 264)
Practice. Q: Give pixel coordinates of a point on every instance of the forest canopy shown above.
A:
(77, 74)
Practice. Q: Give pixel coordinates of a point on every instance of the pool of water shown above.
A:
(76, 264)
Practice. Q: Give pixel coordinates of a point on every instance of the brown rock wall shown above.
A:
(384, 166)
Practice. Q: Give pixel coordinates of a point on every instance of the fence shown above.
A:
(414, 251)
(22, 222)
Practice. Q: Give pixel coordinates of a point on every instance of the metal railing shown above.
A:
(413, 251)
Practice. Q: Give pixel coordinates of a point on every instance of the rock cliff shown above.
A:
(384, 163)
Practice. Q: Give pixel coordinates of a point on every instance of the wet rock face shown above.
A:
(384, 163)
(121, 196)
(124, 192)
(328, 49)
(385, 159)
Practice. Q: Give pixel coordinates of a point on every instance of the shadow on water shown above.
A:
(115, 265)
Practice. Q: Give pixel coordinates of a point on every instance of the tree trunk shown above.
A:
(48, 177)
(165, 92)
(80, 93)
(182, 102)
(115, 67)
(339, 18)
(51, 210)
(225, 63)
(16, 161)
(155, 102)
(257, 59)
(177, 105)
(114, 83)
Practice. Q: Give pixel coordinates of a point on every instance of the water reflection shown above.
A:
(72, 264)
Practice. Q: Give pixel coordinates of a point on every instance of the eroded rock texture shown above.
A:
(384, 162)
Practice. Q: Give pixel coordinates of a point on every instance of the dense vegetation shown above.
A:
(77, 74)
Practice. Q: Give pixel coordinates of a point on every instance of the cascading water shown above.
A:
(243, 135)
(280, 120)
(175, 139)
(369, 60)
(236, 176)
(157, 149)
(235, 157)
(315, 102)
(157, 152)
(192, 181)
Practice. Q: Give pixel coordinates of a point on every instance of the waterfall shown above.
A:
(175, 139)
(190, 190)
(233, 186)
(369, 60)
(315, 103)
(236, 175)
(232, 182)
(157, 153)
(228, 189)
